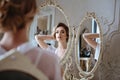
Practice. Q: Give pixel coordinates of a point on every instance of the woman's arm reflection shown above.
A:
(60, 34)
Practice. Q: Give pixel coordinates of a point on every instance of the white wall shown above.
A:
(76, 9)
(108, 13)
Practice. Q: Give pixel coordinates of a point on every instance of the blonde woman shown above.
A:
(61, 35)
(16, 17)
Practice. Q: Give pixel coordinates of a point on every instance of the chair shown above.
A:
(15, 66)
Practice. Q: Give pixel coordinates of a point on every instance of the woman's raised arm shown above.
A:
(89, 38)
(41, 40)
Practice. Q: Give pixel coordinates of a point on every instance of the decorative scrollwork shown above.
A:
(87, 75)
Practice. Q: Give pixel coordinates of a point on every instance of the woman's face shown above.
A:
(60, 34)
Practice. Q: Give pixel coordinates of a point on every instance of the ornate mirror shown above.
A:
(88, 46)
(48, 17)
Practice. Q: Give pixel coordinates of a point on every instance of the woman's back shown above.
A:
(16, 17)
(45, 61)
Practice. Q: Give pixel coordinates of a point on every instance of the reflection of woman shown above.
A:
(85, 48)
(61, 34)
(15, 19)
(89, 38)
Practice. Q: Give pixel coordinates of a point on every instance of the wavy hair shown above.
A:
(14, 14)
(65, 27)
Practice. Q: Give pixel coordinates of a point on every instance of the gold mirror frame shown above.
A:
(70, 41)
(87, 75)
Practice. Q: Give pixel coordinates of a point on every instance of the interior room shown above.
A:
(106, 13)
(92, 49)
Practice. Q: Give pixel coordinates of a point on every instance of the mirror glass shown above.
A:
(88, 42)
(87, 53)
(46, 20)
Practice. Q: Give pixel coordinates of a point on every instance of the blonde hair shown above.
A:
(14, 14)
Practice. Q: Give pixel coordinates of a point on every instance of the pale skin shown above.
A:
(11, 40)
(60, 36)
(15, 41)
(88, 37)
(16, 17)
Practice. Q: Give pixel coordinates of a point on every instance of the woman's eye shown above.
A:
(57, 32)
(63, 31)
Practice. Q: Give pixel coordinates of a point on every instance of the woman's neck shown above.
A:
(62, 45)
(12, 40)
